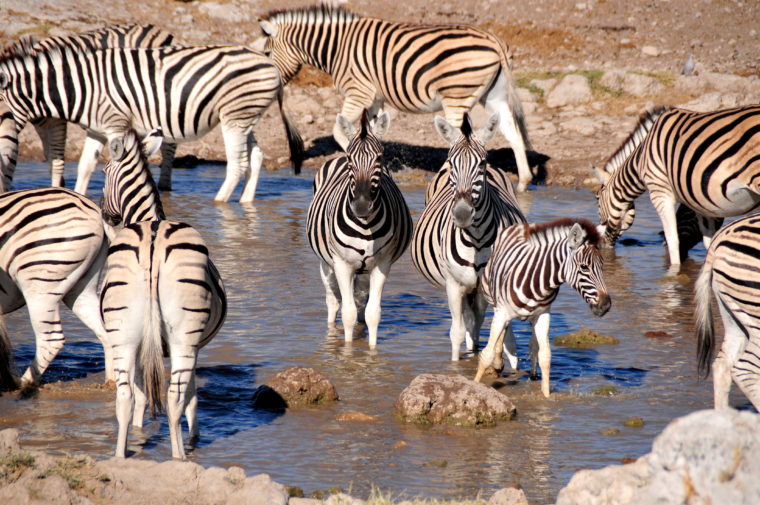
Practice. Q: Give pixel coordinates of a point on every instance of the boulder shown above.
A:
(259, 490)
(706, 457)
(573, 89)
(434, 399)
(720, 100)
(509, 496)
(293, 387)
(631, 83)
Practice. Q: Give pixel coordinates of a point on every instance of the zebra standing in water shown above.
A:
(358, 224)
(522, 278)
(707, 161)
(8, 147)
(466, 204)
(52, 248)
(52, 131)
(415, 68)
(732, 272)
(185, 91)
(160, 288)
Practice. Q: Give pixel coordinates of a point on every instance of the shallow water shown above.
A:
(276, 319)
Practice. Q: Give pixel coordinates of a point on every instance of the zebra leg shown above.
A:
(332, 294)
(124, 367)
(46, 322)
(168, 150)
(255, 159)
(456, 297)
(52, 132)
(372, 311)
(541, 332)
(479, 307)
(746, 372)
(734, 343)
(666, 209)
(191, 411)
(496, 102)
(93, 146)
(183, 359)
(510, 346)
(488, 354)
(709, 226)
(236, 147)
(344, 274)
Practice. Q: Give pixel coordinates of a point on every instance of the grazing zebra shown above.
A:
(707, 161)
(52, 131)
(732, 272)
(358, 224)
(52, 248)
(185, 91)
(160, 290)
(467, 203)
(415, 68)
(522, 278)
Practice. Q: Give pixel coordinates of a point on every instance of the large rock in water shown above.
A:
(454, 399)
(293, 387)
(708, 457)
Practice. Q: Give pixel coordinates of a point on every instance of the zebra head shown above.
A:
(614, 216)
(365, 161)
(129, 194)
(467, 162)
(583, 266)
(18, 88)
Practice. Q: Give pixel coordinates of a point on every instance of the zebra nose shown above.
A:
(361, 206)
(601, 307)
(463, 214)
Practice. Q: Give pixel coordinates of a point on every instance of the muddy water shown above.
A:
(276, 319)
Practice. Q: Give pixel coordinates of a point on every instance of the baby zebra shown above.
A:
(466, 205)
(732, 272)
(160, 290)
(358, 224)
(528, 265)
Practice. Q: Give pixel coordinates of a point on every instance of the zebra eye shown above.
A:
(584, 267)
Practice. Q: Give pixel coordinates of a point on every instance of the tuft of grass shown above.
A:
(71, 470)
(607, 390)
(379, 497)
(17, 461)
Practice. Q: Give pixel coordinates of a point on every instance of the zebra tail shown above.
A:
(7, 377)
(704, 319)
(151, 351)
(515, 105)
(295, 142)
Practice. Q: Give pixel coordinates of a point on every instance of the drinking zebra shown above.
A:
(185, 91)
(415, 68)
(52, 248)
(52, 131)
(732, 272)
(358, 224)
(528, 264)
(160, 290)
(707, 161)
(466, 204)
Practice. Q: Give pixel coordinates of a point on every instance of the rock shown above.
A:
(304, 501)
(259, 490)
(706, 457)
(509, 496)
(343, 499)
(354, 415)
(545, 85)
(584, 339)
(582, 125)
(293, 387)
(650, 51)
(9, 441)
(573, 89)
(226, 12)
(719, 100)
(633, 422)
(435, 399)
(630, 83)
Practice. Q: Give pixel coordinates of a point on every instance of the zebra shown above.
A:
(52, 248)
(8, 147)
(358, 225)
(52, 131)
(707, 161)
(732, 272)
(414, 68)
(528, 264)
(466, 204)
(185, 91)
(160, 290)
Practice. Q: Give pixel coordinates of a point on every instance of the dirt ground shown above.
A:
(548, 37)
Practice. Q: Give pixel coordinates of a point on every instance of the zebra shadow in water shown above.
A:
(430, 159)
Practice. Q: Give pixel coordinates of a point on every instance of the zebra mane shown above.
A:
(322, 13)
(534, 231)
(637, 136)
(24, 46)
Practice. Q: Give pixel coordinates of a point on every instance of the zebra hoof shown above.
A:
(164, 186)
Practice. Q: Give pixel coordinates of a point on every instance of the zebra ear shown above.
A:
(345, 126)
(4, 80)
(601, 175)
(448, 132)
(577, 236)
(269, 29)
(601, 229)
(152, 142)
(382, 124)
(485, 133)
(116, 149)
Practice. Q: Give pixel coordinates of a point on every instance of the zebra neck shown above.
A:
(320, 52)
(626, 184)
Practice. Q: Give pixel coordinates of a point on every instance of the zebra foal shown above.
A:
(528, 265)
(466, 204)
(160, 290)
(52, 247)
(358, 225)
(414, 68)
(52, 131)
(707, 161)
(185, 91)
(732, 273)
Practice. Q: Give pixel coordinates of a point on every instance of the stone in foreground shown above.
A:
(294, 387)
(444, 399)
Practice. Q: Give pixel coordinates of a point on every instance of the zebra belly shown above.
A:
(737, 200)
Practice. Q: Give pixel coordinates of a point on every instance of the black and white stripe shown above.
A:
(185, 91)
(467, 203)
(52, 131)
(160, 290)
(528, 265)
(52, 247)
(732, 273)
(414, 68)
(8, 147)
(358, 224)
(707, 161)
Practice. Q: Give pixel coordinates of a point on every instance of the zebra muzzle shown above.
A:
(463, 214)
(603, 305)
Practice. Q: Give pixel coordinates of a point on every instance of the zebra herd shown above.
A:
(150, 289)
